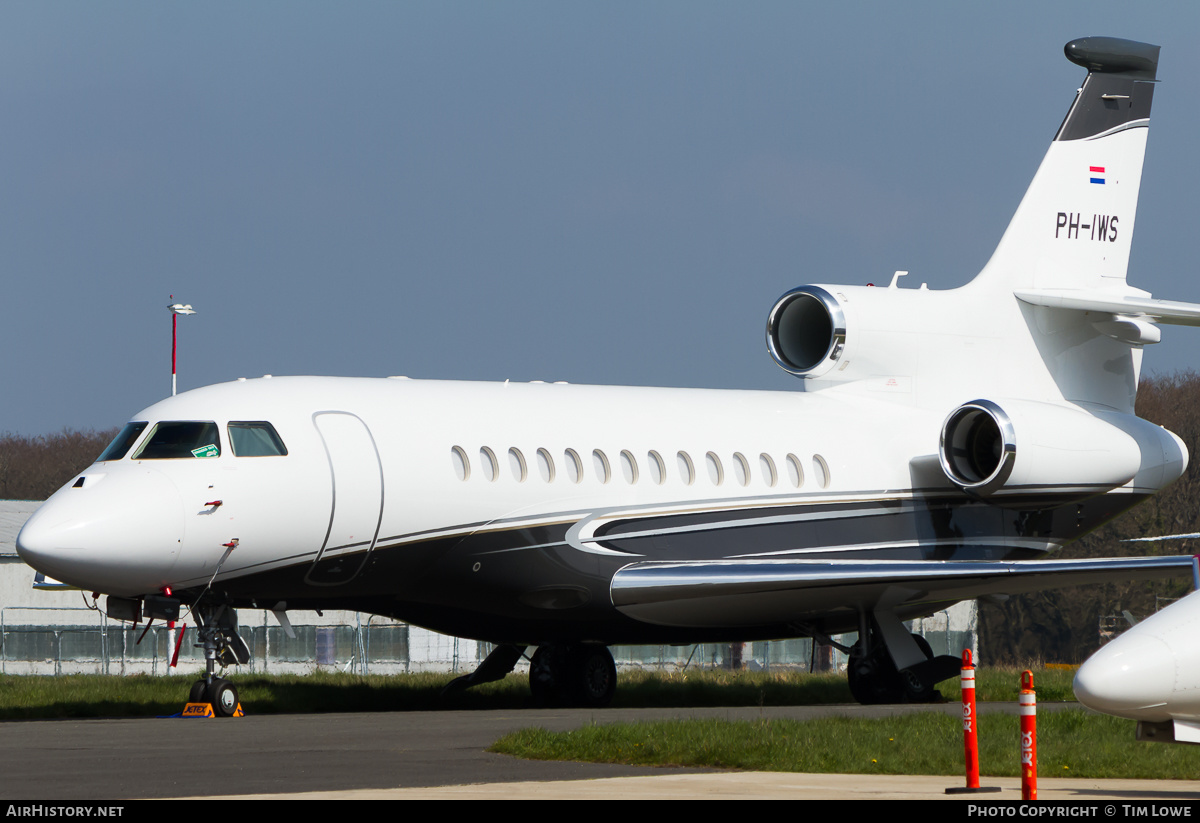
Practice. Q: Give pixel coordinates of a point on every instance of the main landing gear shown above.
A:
(889, 665)
(568, 674)
(221, 643)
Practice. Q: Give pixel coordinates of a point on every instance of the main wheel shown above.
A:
(593, 676)
(545, 676)
(874, 680)
(224, 698)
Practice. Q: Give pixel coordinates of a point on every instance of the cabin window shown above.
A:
(741, 469)
(516, 464)
(821, 471)
(716, 472)
(545, 465)
(487, 459)
(176, 439)
(658, 469)
(574, 465)
(687, 472)
(795, 473)
(766, 467)
(462, 466)
(124, 440)
(255, 439)
(600, 464)
(629, 467)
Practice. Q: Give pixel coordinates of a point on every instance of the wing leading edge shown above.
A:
(762, 592)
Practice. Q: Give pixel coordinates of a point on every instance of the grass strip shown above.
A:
(24, 697)
(1070, 744)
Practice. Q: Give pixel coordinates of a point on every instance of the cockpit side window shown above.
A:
(175, 438)
(255, 439)
(122, 442)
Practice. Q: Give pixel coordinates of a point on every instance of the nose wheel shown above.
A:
(219, 693)
(217, 627)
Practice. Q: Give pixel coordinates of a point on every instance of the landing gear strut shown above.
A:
(221, 643)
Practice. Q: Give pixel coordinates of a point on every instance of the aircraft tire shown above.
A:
(874, 680)
(593, 676)
(199, 692)
(916, 691)
(545, 676)
(224, 698)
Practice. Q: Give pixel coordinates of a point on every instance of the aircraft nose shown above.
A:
(117, 532)
(1152, 671)
(1129, 677)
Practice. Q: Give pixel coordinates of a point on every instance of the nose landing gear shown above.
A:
(221, 643)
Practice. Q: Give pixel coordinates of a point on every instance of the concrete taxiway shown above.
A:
(431, 754)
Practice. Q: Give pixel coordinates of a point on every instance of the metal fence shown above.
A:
(367, 646)
(112, 647)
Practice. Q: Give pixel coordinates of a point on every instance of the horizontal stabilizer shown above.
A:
(1172, 312)
(701, 594)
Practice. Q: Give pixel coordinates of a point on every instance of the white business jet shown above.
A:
(938, 446)
(1150, 674)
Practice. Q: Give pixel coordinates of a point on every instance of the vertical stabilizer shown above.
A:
(1074, 226)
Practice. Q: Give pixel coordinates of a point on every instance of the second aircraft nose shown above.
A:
(1151, 672)
(117, 532)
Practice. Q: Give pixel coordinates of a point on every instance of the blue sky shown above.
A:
(607, 192)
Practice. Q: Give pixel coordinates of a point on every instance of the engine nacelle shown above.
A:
(1020, 446)
(846, 333)
(806, 331)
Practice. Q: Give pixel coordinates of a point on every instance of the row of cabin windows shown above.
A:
(740, 470)
(171, 439)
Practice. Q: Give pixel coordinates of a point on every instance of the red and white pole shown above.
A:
(174, 323)
(970, 731)
(970, 728)
(176, 309)
(1028, 711)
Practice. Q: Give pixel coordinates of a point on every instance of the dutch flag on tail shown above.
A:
(1097, 174)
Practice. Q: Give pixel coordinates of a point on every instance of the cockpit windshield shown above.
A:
(255, 439)
(122, 442)
(172, 438)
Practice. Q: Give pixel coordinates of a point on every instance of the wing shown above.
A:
(701, 594)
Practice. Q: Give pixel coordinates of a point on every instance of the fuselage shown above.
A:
(503, 510)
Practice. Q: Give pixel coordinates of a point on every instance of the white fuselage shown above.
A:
(445, 502)
(408, 459)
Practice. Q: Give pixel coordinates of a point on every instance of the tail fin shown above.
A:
(1074, 226)
(1050, 317)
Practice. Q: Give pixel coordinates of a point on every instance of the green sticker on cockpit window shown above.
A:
(206, 451)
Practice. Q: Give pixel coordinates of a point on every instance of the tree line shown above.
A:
(1065, 625)
(33, 468)
(1058, 625)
